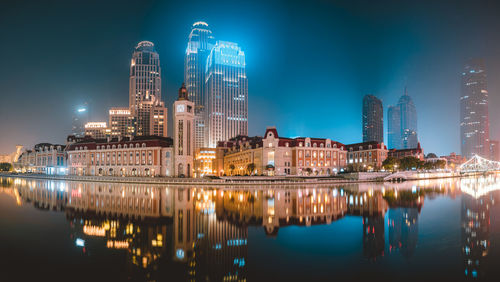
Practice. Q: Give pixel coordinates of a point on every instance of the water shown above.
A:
(439, 230)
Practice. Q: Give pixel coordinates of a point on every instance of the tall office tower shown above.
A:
(121, 122)
(199, 45)
(183, 134)
(80, 118)
(408, 112)
(474, 117)
(145, 86)
(373, 119)
(394, 127)
(227, 90)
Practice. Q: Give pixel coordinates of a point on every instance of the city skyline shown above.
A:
(271, 90)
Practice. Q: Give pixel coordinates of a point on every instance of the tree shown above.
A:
(390, 163)
(410, 163)
(5, 167)
(308, 170)
(250, 168)
(232, 167)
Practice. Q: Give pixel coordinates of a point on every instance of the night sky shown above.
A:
(309, 63)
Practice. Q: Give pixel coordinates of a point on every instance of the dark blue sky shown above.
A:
(309, 63)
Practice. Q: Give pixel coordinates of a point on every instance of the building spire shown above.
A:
(183, 94)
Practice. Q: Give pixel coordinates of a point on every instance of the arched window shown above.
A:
(98, 147)
(119, 146)
(144, 145)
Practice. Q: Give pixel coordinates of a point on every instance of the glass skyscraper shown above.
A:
(373, 119)
(474, 116)
(402, 125)
(227, 93)
(145, 91)
(394, 127)
(408, 111)
(199, 45)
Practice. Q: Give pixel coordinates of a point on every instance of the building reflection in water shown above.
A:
(202, 233)
(476, 203)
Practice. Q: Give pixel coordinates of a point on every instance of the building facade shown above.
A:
(373, 119)
(97, 130)
(138, 156)
(474, 116)
(394, 127)
(227, 93)
(121, 122)
(366, 155)
(402, 125)
(275, 155)
(145, 88)
(408, 112)
(44, 158)
(183, 134)
(417, 152)
(200, 42)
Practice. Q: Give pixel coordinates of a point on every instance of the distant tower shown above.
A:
(408, 112)
(373, 119)
(198, 48)
(227, 88)
(183, 134)
(145, 90)
(80, 118)
(394, 127)
(474, 116)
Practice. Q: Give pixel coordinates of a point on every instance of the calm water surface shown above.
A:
(440, 230)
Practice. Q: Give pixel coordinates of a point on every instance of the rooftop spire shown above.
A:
(183, 94)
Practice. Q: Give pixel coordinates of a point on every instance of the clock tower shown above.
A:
(183, 134)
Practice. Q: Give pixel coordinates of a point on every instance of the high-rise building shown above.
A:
(199, 45)
(121, 122)
(183, 134)
(145, 88)
(474, 117)
(394, 127)
(227, 90)
(80, 118)
(97, 129)
(408, 111)
(373, 119)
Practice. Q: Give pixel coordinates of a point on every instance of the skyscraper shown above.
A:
(199, 45)
(408, 112)
(373, 119)
(145, 89)
(80, 118)
(474, 117)
(394, 127)
(402, 124)
(227, 93)
(121, 122)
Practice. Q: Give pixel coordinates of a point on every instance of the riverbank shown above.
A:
(243, 180)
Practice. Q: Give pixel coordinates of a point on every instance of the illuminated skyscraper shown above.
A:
(227, 93)
(474, 117)
(199, 45)
(145, 89)
(80, 118)
(409, 137)
(373, 119)
(394, 127)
